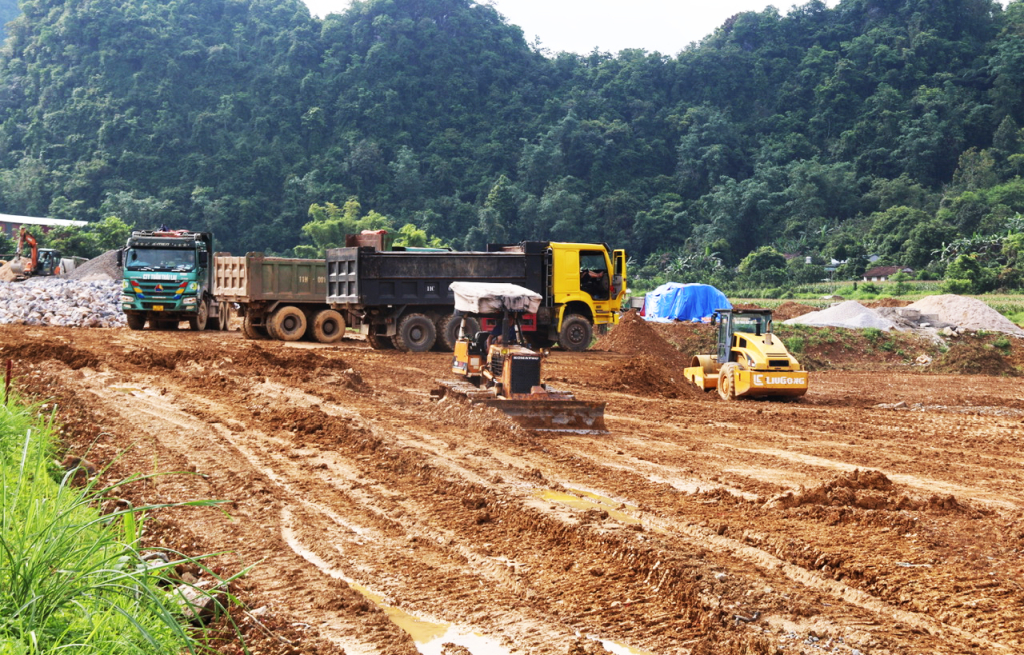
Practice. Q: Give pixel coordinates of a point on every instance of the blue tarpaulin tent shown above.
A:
(683, 302)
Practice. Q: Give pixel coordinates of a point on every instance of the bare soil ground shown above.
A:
(881, 513)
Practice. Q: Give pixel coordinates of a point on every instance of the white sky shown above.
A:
(579, 26)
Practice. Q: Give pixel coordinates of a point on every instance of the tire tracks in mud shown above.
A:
(442, 516)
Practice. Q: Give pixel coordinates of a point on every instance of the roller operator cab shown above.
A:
(167, 279)
(751, 362)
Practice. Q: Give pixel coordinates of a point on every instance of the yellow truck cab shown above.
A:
(588, 281)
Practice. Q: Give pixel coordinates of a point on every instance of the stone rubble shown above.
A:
(43, 301)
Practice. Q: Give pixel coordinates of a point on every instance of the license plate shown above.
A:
(158, 308)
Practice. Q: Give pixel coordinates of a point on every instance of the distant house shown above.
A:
(9, 224)
(883, 273)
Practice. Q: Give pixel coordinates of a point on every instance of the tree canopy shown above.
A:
(822, 130)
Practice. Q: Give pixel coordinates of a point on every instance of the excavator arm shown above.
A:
(27, 239)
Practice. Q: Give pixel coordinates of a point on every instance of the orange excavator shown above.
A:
(43, 261)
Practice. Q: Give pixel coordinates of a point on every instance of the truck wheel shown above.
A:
(448, 330)
(287, 324)
(136, 321)
(416, 334)
(252, 331)
(198, 322)
(727, 381)
(576, 333)
(224, 311)
(379, 341)
(328, 326)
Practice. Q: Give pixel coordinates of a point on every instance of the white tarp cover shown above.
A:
(494, 297)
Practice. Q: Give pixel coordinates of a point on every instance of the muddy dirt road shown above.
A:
(380, 520)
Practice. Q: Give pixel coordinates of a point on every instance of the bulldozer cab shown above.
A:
(757, 322)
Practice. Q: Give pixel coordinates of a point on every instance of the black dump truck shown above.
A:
(402, 299)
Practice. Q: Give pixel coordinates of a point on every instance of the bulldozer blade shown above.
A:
(554, 415)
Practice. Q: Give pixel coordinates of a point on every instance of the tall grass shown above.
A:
(71, 579)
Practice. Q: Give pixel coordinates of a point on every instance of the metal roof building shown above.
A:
(9, 223)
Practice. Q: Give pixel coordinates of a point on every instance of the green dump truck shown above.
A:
(168, 279)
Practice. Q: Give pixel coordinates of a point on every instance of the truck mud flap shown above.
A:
(554, 415)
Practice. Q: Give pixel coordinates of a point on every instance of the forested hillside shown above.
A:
(889, 127)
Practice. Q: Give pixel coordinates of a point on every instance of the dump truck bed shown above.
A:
(257, 278)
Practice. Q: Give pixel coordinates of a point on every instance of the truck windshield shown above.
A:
(159, 259)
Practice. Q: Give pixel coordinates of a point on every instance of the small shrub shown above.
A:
(958, 287)
(795, 344)
(1002, 344)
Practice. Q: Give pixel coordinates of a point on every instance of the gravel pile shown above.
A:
(965, 313)
(103, 267)
(849, 314)
(60, 302)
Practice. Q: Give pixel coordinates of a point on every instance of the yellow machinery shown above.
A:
(499, 370)
(751, 362)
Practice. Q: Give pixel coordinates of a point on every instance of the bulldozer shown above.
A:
(750, 363)
(500, 370)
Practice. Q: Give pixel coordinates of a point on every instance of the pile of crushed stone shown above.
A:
(965, 313)
(849, 314)
(633, 336)
(103, 267)
(58, 302)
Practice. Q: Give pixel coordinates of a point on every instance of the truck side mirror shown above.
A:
(120, 258)
(204, 259)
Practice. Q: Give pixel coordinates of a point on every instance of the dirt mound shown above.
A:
(688, 338)
(634, 336)
(974, 359)
(40, 352)
(650, 376)
(149, 359)
(790, 309)
(887, 302)
(865, 490)
(454, 409)
(8, 275)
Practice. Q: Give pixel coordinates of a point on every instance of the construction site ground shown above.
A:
(881, 513)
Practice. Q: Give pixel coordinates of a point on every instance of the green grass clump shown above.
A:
(71, 579)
